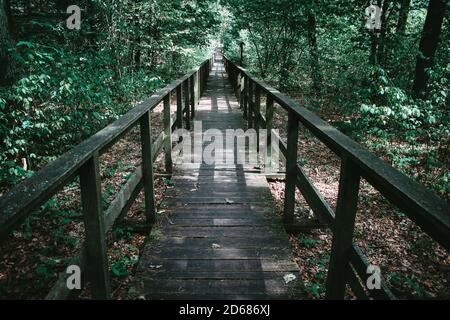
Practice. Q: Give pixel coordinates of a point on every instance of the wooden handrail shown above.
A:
(82, 160)
(422, 206)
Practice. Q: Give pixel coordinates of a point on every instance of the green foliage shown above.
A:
(307, 242)
(75, 83)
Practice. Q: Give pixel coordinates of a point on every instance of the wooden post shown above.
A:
(200, 82)
(343, 230)
(245, 96)
(269, 125)
(291, 169)
(179, 108)
(147, 167)
(197, 87)
(257, 113)
(186, 103)
(94, 226)
(238, 88)
(250, 104)
(192, 94)
(167, 135)
(242, 54)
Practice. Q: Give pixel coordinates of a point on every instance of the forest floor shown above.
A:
(413, 265)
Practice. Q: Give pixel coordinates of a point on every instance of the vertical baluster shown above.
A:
(179, 107)
(291, 168)
(192, 94)
(269, 125)
(238, 87)
(167, 135)
(343, 229)
(197, 87)
(250, 104)
(257, 113)
(245, 97)
(94, 225)
(147, 167)
(186, 89)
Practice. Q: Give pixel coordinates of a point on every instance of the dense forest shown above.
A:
(384, 83)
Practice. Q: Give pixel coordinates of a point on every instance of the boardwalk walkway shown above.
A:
(223, 239)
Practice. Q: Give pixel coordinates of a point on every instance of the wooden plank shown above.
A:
(158, 274)
(359, 262)
(95, 229)
(269, 127)
(222, 286)
(257, 112)
(200, 243)
(168, 136)
(192, 95)
(258, 231)
(179, 119)
(291, 170)
(211, 254)
(314, 199)
(250, 104)
(223, 265)
(147, 168)
(343, 230)
(186, 103)
(245, 97)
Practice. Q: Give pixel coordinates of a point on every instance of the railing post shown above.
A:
(238, 88)
(94, 225)
(250, 104)
(291, 168)
(147, 167)
(167, 135)
(179, 107)
(186, 103)
(343, 230)
(245, 97)
(257, 113)
(197, 87)
(192, 94)
(269, 125)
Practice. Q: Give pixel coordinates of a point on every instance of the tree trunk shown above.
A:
(403, 16)
(314, 53)
(384, 29)
(428, 45)
(8, 66)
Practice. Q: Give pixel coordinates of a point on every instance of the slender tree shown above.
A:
(403, 16)
(314, 52)
(8, 65)
(428, 45)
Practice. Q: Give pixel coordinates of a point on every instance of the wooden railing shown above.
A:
(83, 161)
(348, 265)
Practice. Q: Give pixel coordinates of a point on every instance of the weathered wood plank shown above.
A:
(291, 170)
(147, 167)
(343, 230)
(97, 265)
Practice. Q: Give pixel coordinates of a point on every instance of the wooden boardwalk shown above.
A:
(223, 239)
